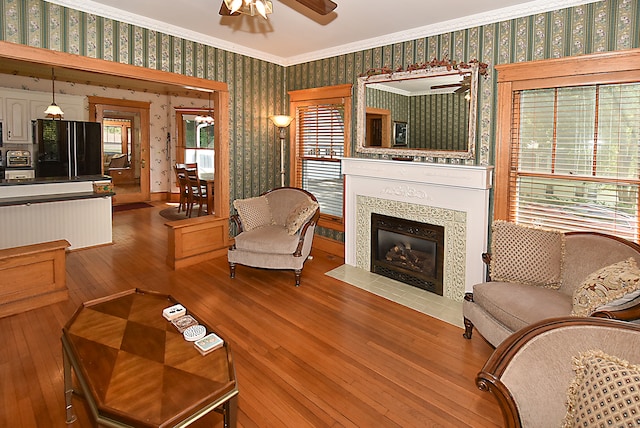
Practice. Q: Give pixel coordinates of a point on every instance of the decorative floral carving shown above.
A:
(434, 63)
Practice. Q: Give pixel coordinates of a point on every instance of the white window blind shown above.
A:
(575, 154)
(320, 144)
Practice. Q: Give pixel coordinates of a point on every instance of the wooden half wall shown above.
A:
(32, 276)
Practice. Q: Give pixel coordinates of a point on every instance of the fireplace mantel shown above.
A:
(455, 195)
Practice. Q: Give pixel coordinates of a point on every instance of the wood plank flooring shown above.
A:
(326, 354)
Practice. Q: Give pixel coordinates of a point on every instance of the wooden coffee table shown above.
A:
(134, 368)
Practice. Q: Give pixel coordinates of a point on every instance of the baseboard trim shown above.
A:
(330, 246)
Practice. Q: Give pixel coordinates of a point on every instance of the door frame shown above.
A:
(96, 104)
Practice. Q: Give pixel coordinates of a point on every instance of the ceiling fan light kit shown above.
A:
(265, 7)
(250, 7)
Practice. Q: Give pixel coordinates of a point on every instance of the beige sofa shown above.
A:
(539, 370)
(275, 230)
(569, 263)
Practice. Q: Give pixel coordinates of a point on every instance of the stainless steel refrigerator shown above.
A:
(67, 148)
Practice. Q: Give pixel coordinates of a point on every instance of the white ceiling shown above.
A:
(294, 34)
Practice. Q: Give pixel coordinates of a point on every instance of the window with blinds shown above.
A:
(574, 158)
(320, 141)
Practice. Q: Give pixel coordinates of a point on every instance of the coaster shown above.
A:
(194, 333)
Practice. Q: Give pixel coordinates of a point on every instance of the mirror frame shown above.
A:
(428, 72)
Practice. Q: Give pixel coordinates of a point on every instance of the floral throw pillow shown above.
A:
(605, 392)
(606, 285)
(299, 215)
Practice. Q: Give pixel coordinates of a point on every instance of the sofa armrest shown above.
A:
(627, 314)
(486, 259)
(303, 232)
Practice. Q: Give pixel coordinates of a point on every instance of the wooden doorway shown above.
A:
(125, 143)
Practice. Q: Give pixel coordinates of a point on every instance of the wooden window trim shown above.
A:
(304, 97)
(609, 67)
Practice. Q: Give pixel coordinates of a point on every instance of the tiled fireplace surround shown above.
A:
(453, 196)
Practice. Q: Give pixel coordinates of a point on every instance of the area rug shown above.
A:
(132, 206)
(173, 214)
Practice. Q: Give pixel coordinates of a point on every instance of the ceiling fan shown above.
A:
(263, 7)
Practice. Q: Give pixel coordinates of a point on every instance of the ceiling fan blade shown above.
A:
(224, 10)
(323, 7)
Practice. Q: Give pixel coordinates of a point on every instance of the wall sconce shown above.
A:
(53, 110)
(282, 122)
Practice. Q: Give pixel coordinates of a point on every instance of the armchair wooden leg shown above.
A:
(468, 329)
(298, 273)
(232, 270)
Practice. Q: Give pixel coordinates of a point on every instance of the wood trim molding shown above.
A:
(607, 67)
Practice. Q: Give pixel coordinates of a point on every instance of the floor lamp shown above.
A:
(282, 122)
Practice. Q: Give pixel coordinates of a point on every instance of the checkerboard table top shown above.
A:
(138, 367)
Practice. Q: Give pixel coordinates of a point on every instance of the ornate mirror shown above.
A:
(428, 111)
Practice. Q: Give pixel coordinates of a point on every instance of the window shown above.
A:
(197, 143)
(116, 136)
(321, 139)
(573, 157)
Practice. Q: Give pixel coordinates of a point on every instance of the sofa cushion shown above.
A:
(299, 215)
(253, 212)
(615, 284)
(526, 254)
(270, 239)
(604, 392)
(517, 305)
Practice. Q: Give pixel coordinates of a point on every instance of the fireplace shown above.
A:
(455, 197)
(408, 251)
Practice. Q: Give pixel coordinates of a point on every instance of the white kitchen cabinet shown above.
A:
(72, 106)
(19, 107)
(17, 120)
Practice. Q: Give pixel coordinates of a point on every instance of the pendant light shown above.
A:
(53, 110)
(205, 119)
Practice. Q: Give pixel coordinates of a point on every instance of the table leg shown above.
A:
(68, 387)
(231, 412)
(210, 197)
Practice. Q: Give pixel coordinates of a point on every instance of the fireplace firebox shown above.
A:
(408, 251)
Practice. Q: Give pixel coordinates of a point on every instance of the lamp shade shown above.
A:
(281, 121)
(54, 111)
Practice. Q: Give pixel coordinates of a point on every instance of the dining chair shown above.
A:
(181, 181)
(197, 191)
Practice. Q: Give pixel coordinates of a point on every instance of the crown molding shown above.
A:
(471, 21)
(109, 12)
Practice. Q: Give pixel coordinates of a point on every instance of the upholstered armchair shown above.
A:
(275, 230)
(540, 273)
(567, 372)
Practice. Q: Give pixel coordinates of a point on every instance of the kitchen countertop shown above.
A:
(30, 191)
(46, 180)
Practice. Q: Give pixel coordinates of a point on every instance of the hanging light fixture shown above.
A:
(205, 119)
(250, 7)
(53, 110)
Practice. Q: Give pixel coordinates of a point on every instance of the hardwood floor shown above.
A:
(326, 354)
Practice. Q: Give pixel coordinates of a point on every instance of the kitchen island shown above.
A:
(39, 210)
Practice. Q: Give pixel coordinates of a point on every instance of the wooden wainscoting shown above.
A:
(32, 276)
(195, 240)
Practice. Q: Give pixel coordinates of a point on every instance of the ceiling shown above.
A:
(293, 34)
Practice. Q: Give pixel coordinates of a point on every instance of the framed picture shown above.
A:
(399, 133)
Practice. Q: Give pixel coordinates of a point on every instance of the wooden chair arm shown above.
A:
(303, 232)
(627, 314)
(236, 219)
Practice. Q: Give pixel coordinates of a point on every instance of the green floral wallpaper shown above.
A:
(258, 88)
